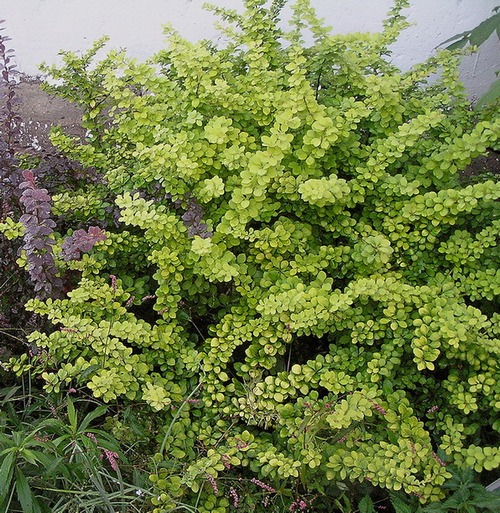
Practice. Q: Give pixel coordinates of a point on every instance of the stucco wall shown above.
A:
(40, 28)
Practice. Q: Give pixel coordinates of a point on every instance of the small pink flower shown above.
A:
(213, 482)
(92, 437)
(68, 330)
(241, 444)
(112, 457)
(41, 439)
(53, 411)
(298, 505)
(438, 459)
(226, 461)
(379, 408)
(235, 496)
(262, 485)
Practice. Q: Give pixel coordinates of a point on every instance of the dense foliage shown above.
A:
(278, 260)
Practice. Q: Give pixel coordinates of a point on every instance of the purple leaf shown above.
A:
(41, 230)
(41, 195)
(38, 239)
(81, 242)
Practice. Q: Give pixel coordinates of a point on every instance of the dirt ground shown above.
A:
(487, 164)
(40, 111)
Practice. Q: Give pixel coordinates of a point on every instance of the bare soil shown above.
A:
(40, 111)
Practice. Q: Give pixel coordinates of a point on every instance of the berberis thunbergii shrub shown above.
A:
(292, 277)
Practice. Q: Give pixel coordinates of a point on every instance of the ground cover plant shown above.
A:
(276, 259)
(54, 459)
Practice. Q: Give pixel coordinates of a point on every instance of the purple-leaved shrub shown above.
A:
(38, 238)
(81, 241)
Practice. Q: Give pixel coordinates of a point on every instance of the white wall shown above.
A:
(40, 28)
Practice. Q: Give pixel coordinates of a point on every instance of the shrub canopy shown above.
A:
(293, 277)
